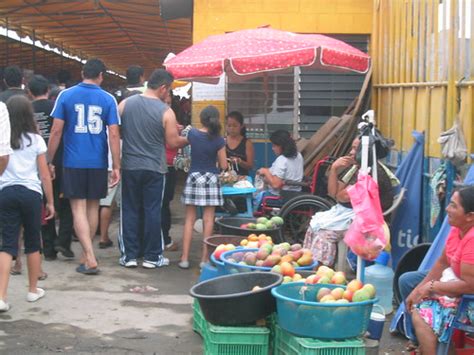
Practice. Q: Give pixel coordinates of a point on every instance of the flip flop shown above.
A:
(411, 346)
(43, 276)
(107, 244)
(15, 272)
(82, 269)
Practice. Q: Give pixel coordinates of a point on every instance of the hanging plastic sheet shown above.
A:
(406, 224)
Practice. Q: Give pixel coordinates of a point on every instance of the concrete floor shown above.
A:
(100, 314)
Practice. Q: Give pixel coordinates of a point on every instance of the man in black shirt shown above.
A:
(42, 106)
(13, 78)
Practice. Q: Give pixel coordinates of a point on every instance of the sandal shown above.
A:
(83, 269)
(107, 244)
(411, 346)
(15, 272)
(43, 276)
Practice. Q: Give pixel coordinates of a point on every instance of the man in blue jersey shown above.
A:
(81, 114)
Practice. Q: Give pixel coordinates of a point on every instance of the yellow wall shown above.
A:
(304, 16)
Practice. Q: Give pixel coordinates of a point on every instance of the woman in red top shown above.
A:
(433, 302)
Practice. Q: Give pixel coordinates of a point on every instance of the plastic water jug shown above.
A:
(381, 276)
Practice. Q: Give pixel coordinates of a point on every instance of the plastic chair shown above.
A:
(461, 328)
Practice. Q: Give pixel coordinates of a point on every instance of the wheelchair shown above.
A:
(298, 207)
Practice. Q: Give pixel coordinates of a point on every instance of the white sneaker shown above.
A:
(4, 306)
(162, 261)
(33, 297)
(131, 264)
(183, 264)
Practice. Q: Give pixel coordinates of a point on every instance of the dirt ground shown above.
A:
(104, 314)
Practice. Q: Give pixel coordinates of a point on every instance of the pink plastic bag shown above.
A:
(366, 236)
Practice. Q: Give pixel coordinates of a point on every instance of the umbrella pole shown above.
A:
(369, 116)
(265, 123)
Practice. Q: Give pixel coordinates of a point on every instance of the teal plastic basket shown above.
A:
(288, 344)
(233, 268)
(300, 314)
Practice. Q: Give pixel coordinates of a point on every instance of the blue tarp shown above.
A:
(405, 228)
(430, 258)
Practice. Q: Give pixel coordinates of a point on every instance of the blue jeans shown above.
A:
(406, 283)
(142, 190)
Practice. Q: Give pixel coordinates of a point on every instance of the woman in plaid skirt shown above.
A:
(202, 185)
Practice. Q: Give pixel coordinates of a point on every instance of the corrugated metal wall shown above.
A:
(423, 69)
(322, 94)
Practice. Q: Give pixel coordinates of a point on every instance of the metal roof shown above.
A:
(120, 32)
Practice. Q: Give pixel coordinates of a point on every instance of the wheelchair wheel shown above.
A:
(297, 214)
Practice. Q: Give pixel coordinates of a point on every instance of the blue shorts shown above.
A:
(20, 206)
(89, 184)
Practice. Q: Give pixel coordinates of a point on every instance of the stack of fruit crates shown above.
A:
(245, 340)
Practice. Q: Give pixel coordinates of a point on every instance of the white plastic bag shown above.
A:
(453, 144)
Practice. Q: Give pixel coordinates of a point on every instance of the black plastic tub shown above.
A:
(213, 241)
(231, 225)
(229, 300)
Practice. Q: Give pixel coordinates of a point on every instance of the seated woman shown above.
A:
(327, 228)
(288, 166)
(238, 148)
(432, 304)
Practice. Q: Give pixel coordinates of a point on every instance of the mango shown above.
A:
(305, 260)
(272, 260)
(262, 254)
(277, 220)
(287, 269)
(360, 296)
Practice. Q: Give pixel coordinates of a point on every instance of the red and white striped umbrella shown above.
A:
(248, 53)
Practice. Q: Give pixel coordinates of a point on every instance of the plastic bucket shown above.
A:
(214, 241)
(299, 313)
(208, 272)
(231, 299)
(376, 323)
(231, 225)
(219, 266)
(234, 268)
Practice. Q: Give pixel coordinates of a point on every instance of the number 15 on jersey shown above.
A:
(92, 123)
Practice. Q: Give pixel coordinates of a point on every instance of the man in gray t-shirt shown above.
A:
(147, 124)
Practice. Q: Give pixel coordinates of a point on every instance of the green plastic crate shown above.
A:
(236, 340)
(288, 344)
(199, 323)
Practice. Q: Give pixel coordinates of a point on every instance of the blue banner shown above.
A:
(406, 225)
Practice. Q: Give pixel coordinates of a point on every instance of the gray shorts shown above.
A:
(113, 194)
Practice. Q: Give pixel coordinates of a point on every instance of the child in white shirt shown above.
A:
(21, 198)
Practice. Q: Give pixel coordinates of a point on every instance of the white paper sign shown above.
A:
(209, 92)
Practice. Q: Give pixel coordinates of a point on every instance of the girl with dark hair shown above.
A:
(238, 148)
(433, 303)
(287, 167)
(202, 186)
(21, 197)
